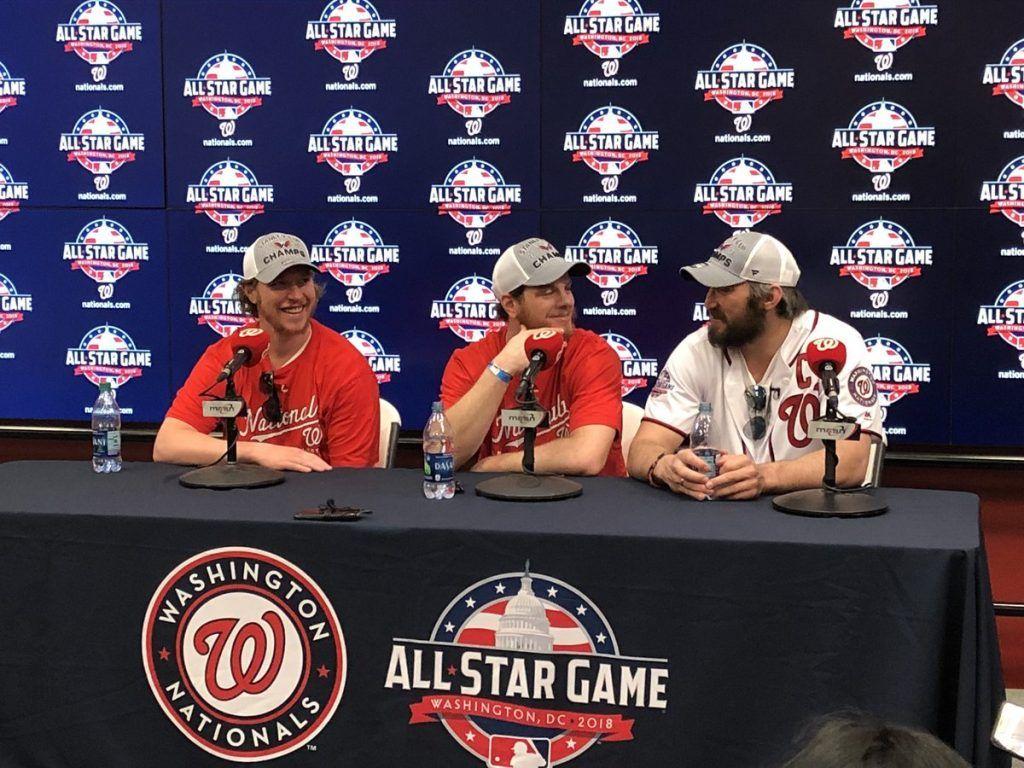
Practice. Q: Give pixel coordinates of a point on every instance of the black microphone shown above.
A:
(544, 350)
(250, 344)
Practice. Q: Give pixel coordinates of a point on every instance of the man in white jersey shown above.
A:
(748, 363)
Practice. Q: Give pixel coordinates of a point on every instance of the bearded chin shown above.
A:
(741, 331)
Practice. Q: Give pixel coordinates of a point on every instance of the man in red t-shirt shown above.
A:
(312, 399)
(581, 392)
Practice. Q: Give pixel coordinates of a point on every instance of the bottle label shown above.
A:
(106, 444)
(438, 467)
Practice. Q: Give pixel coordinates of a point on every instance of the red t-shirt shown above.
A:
(329, 399)
(584, 387)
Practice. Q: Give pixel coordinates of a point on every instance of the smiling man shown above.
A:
(312, 399)
(747, 362)
(581, 392)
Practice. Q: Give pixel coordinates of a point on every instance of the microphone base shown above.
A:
(821, 502)
(521, 487)
(224, 477)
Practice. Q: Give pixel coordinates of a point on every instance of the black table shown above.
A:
(684, 633)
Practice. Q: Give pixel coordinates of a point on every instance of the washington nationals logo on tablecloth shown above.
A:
(1005, 317)
(11, 193)
(381, 363)
(13, 305)
(469, 309)
(637, 371)
(894, 371)
(474, 84)
(885, 26)
(616, 257)
(742, 193)
(350, 31)
(108, 355)
(244, 653)
(218, 308)
(98, 33)
(475, 194)
(744, 78)
(880, 255)
(105, 251)
(352, 143)
(354, 254)
(10, 88)
(610, 141)
(227, 87)
(101, 143)
(523, 669)
(610, 29)
(229, 194)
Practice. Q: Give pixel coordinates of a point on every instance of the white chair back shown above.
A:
(631, 416)
(390, 423)
(876, 457)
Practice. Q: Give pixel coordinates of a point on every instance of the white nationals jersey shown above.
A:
(697, 371)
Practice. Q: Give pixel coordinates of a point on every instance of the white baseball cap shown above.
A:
(746, 256)
(272, 254)
(532, 262)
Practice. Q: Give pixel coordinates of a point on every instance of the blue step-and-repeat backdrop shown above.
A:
(144, 144)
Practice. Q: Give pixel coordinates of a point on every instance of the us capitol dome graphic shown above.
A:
(525, 625)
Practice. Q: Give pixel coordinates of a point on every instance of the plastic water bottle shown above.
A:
(438, 459)
(106, 432)
(700, 439)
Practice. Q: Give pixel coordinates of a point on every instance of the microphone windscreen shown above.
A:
(821, 351)
(547, 341)
(253, 338)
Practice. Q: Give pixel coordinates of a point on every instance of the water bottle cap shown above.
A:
(437, 407)
(105, 386)
(705, 408)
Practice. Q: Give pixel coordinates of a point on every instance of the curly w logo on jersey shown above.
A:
(381, 363)
(106, 354)
(880, 255)
(352, 143)
(105, 251)
(610, 29)
(101, 143)
(10, 88)
(229, 194)
(523, 669)
(350, 30)
(474, 84)
(883, 137)
(219, 308)
(227, 87)
(98, 33)
(11, 193)
(744, 78)
(742, 193)
(13, 305)
(469, 309)
(637, 371)
(610, 140)
(475, 194)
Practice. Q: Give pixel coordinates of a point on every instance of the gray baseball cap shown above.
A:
(746, 256)
(532, 262)
(272, 254)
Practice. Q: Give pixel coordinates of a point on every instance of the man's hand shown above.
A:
(683, 472)
(512, 358)
(281, 457)
(738, 478)
(495, 463)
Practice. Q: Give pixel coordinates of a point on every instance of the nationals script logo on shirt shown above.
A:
(244, 653)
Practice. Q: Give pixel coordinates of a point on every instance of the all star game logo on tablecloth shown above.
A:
(244, 653)
(523, 669)
(227, 87)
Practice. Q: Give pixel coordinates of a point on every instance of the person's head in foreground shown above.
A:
(863, 741)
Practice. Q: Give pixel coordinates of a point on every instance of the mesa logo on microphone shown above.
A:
(244, 653)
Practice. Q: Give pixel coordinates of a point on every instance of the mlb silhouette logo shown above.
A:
(518, 752)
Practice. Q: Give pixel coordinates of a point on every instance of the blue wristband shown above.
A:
(505, 376)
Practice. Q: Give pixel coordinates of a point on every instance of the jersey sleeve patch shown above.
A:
(862, 386)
